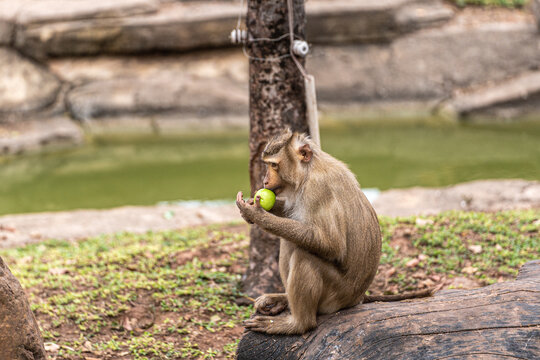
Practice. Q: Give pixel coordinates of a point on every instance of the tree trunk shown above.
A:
(500, 321)
(276, 100)
(20, 338)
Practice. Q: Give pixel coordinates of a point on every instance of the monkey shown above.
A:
(330, 243)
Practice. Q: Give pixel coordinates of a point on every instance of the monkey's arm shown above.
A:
(306, 236)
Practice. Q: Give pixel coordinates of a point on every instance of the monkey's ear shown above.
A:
(305, 153)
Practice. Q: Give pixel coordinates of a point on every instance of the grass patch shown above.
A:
(153, 296)
(174, 294)
(460, 249)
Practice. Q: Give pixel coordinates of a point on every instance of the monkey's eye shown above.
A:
(274, 166)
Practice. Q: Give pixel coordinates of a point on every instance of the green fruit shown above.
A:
(268, 198)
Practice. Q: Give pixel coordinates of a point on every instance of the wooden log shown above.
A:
(500, 321)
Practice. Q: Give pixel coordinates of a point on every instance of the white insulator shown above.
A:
(238, 36)
(234, 36)
(243, 35)
(300, 48)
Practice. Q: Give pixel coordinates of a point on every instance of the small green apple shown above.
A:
(268, 198)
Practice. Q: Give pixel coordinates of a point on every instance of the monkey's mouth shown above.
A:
(276, 190)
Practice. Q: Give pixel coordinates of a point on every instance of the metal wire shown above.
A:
(290, 11)
(290, 34)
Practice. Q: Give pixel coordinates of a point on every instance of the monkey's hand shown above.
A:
(251, 210)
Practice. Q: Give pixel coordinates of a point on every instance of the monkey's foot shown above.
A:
(271, 304)
(277, 325)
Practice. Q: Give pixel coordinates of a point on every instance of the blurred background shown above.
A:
(139, 102)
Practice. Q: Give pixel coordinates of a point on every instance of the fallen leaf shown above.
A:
(58, 271)
(423, 222)
(87, 345)
(469, 270)
(52, 347)
(412, 263)
(476, 249)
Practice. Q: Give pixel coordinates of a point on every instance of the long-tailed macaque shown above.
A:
(331, 240)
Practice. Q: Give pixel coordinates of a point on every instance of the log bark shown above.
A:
(500, 321)
(276, 100)
(20, 338)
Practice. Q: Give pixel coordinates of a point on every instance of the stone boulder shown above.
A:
(157, 93)
(24, 86)
(516, 97)
(35, 135)
(426, 65)
(183, 26)
(365, 21)
(20, 338)
(33, 12)
(26, 13)
(225, 64)
(8, 13)
(167, 93)
(175, 27)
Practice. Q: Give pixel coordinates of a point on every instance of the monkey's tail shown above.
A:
(410, 295)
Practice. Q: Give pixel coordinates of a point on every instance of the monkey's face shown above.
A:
(287, 157)
(272, 178)
(286, 170)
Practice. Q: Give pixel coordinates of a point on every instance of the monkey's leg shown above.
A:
(271, 304)
(304, 290)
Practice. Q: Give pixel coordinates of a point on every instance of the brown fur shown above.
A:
(331, 240)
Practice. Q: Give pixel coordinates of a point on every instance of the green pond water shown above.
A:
(146, 170)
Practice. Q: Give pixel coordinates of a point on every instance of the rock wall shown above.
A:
(156, 65)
